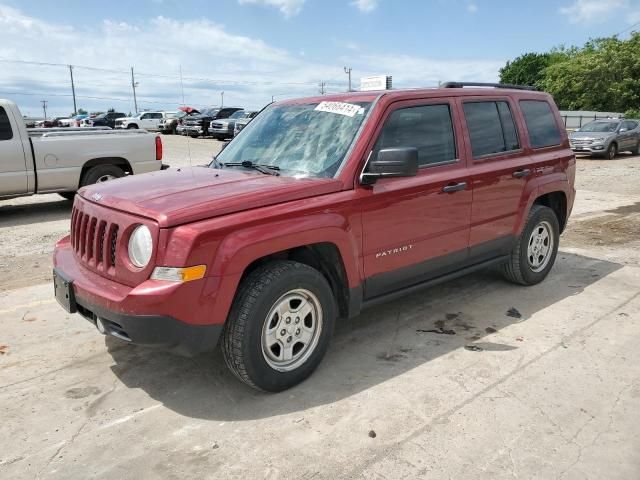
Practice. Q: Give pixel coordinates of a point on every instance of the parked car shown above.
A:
(324, 207)
(223, 128)
(198, 124)
(242, 122)
(169, 123)
(62, 160)
(77, 120)
(607, 138)
(145, 120)
(106, 119)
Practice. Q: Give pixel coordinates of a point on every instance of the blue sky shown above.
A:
(253, 49)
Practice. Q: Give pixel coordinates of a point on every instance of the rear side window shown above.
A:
(541, 123)
(428, 128)
(629, 125)
(491, 128)
(5, 126)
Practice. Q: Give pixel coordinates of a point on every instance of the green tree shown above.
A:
(527, 69)
(604, 75)
(82, 111)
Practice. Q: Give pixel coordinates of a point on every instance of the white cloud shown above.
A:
(248, 69)
(596, 11)
(365, 6)
(472, 8)
(289, 8)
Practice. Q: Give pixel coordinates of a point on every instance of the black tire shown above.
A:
(94, 174)
(132, 126)
(518, 269)
(612, 151)
(636, 150)
(68, 195)
(258, 293)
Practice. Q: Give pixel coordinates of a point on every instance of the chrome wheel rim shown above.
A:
(105, 178)
(540, 246)
(612, 152)
(291, 330)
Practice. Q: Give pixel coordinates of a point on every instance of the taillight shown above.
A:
(158, 148)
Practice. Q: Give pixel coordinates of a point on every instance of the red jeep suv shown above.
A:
(320, 208)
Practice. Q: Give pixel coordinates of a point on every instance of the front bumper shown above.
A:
(589, 149)
(159, 314)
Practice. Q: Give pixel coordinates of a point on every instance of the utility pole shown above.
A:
(347, 70)
(221, 99)
(322, 85)
(73, 91)
(44, 108)
(134, 84)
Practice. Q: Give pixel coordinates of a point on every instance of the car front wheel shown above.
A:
(612, 151)
(279, 326)
(535, 252)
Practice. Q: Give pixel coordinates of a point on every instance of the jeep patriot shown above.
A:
(320, 208)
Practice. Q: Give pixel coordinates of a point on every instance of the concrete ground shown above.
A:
(549, 391)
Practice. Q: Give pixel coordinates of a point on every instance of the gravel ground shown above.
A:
(552, 391)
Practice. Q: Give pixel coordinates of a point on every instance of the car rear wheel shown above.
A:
(636, 150)
(279, 326)
(535, 252)
(101, 173)
(612, 151)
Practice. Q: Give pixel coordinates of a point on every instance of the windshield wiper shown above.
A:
(266, 169)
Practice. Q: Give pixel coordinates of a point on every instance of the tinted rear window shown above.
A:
(541, 123)
(5, 126)
(491, 128)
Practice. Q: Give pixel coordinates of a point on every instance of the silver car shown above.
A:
(607, 138)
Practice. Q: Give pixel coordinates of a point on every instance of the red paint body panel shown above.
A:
(227, 219)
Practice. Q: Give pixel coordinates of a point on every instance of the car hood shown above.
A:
(178, 196)
(126, 119)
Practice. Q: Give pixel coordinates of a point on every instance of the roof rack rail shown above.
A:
(494, 85)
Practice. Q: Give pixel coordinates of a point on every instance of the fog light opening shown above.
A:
(100, 326)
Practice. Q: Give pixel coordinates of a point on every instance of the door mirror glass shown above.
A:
(623, 129)
(392, 162)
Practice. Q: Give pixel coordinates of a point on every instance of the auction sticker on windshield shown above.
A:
(341, 108)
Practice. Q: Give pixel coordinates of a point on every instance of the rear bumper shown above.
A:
(174, 316)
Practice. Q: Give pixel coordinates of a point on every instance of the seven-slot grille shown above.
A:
(94, 240)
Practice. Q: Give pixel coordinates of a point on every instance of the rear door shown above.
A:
(628, 136)
(414, 230)
(500, 171)
(13, 158)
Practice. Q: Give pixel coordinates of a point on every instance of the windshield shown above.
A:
(210, 113)
(238, 114)
(306, 140)
(600, 127)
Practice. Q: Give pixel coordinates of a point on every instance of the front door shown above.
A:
(13, 167)
(417, 228)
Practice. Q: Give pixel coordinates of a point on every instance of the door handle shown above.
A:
(525, 172)
(454, 187)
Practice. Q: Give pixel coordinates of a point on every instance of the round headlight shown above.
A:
(140, 246)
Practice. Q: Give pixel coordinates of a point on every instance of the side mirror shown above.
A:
(623, 129)
(392, 162)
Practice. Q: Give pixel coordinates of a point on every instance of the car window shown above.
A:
(428, 128)
(541, 123)
(491, 128)
(5, 126)
(629, 125)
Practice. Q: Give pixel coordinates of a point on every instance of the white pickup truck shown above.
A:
(62, 160)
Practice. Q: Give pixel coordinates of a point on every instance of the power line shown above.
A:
(159, 75)
(627, 29)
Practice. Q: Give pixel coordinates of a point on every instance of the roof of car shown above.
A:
(400, 94)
